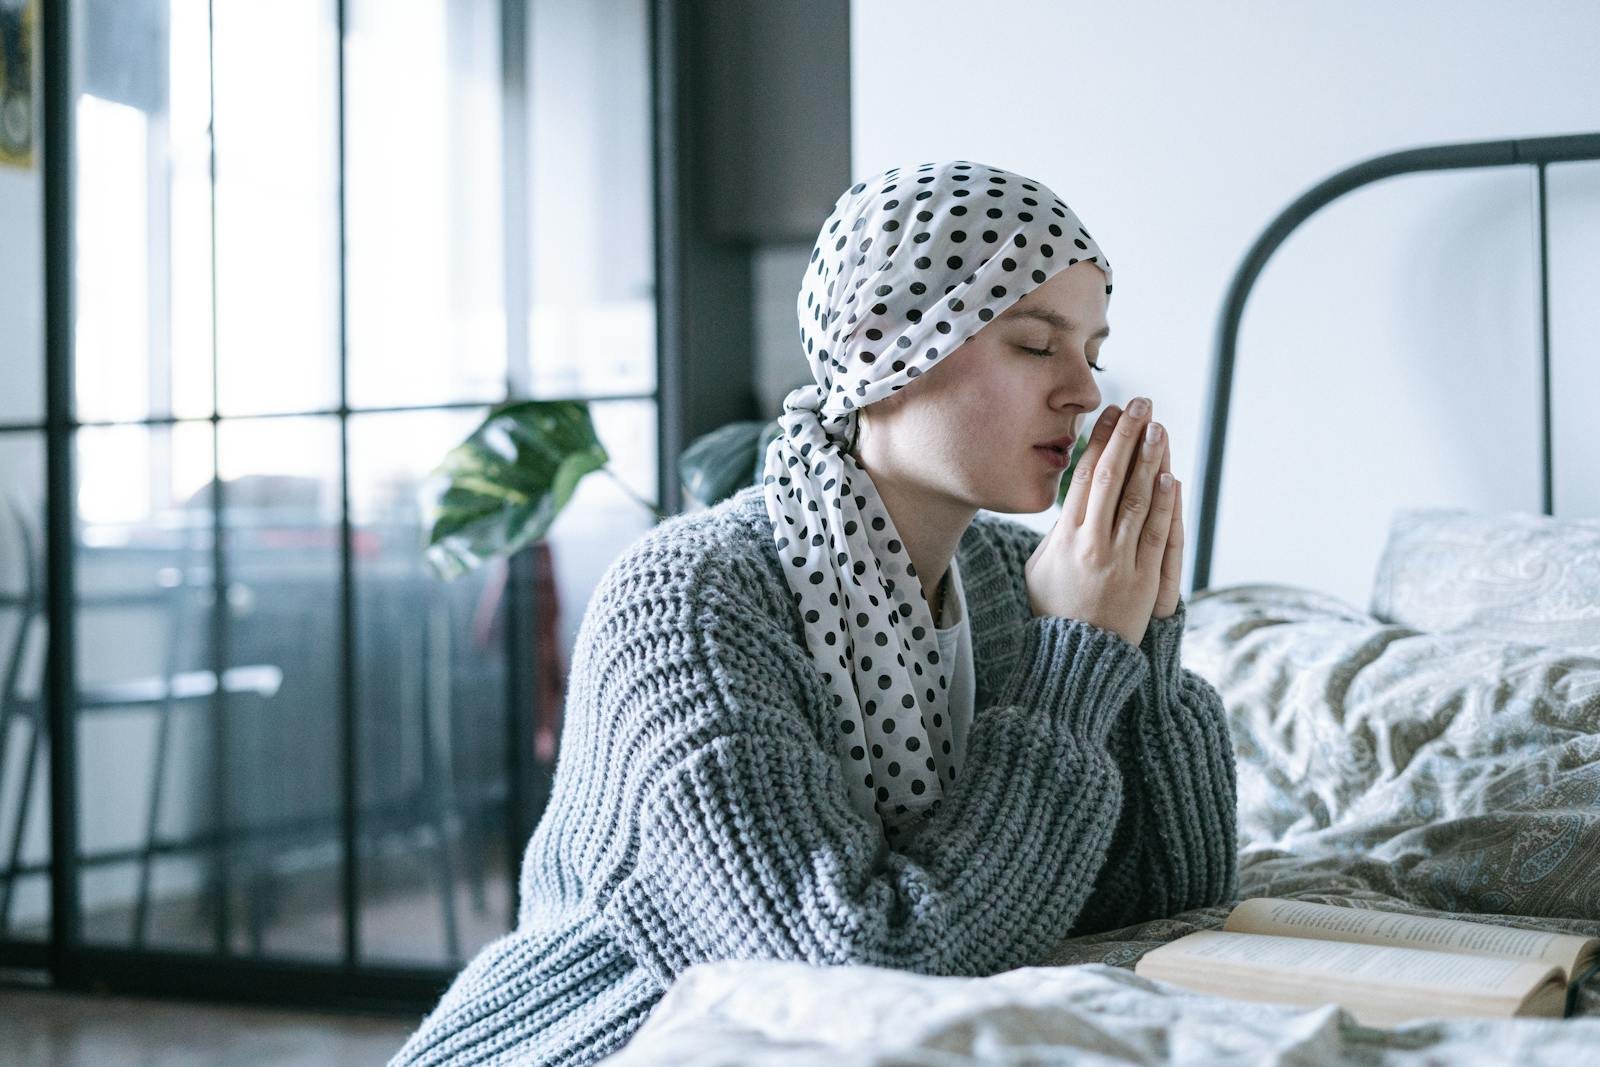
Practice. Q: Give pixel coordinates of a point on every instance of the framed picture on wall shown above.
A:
(17, 21)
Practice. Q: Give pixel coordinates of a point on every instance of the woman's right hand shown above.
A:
(1101, 561)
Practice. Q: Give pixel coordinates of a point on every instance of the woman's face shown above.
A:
(966, 430)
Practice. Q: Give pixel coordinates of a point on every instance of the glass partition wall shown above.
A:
(312, 243)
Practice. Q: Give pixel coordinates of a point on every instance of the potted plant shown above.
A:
(511, 477)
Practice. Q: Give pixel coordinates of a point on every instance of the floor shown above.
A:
(403, 924)
(44, 1029)
(402, 917)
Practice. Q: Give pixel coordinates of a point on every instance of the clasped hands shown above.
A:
(1114, 557)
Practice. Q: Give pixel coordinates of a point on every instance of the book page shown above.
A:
(1399, 966)
(1374, 982)
(1303, 918)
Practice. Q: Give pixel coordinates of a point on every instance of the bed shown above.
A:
(1435, 750)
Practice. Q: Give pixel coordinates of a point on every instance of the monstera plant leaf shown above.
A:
(724, 461)
(509, 480)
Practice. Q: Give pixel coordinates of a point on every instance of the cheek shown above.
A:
(976, 437)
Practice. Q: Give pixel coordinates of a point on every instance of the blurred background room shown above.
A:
(265, 777)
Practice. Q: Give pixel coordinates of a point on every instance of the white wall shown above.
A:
(1389, 353)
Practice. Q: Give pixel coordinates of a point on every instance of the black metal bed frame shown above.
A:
(1536, 152)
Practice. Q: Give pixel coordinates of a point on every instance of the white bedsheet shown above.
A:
(769, 1013)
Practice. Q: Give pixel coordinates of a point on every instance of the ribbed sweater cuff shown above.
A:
(1076, 673)
(1162, 643)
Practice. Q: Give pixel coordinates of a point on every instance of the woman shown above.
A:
(842, 717)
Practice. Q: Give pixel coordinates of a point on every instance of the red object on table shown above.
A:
(550, 697)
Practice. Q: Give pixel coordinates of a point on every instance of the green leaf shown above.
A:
(509, 480)
(718, 464)
(1066, 476)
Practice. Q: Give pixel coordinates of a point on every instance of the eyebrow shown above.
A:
(1060, 322)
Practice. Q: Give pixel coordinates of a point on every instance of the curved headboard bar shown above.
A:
(1533, 151)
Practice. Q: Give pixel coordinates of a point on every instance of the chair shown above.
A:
(164, 692)
(436, 805)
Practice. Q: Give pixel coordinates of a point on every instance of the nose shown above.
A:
(1076, 388)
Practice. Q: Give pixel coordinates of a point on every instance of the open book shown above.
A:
(1384, 967)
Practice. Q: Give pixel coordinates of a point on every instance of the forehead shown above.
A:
(1051, 318)
(1069, 300)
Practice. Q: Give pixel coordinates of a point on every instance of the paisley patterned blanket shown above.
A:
(1452, 774)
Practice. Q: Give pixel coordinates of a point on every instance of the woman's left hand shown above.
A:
(1171, 563)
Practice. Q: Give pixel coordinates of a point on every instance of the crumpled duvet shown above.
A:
(768, 1013)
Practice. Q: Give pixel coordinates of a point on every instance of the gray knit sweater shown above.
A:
(699, 812)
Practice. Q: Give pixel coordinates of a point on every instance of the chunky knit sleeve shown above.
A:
(1175, 846)
(748, 846)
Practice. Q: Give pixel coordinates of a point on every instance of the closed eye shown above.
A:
(1045, 353)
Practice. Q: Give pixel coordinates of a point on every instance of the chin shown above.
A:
(1026, 503)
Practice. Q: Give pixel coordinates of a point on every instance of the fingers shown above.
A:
(1106, 489)
(1172, 563)
(1072, 508)
(1175, 533)
(1119, 498)
(1172, 560)
(1145, 518)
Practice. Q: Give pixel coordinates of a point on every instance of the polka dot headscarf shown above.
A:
(910, 264)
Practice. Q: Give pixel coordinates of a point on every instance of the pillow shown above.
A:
(1518, 576)
(1463, 768)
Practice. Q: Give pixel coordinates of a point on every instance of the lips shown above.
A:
(1060, 444)
(1058, 458)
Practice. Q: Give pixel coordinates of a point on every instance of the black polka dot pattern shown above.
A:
(910, 265)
